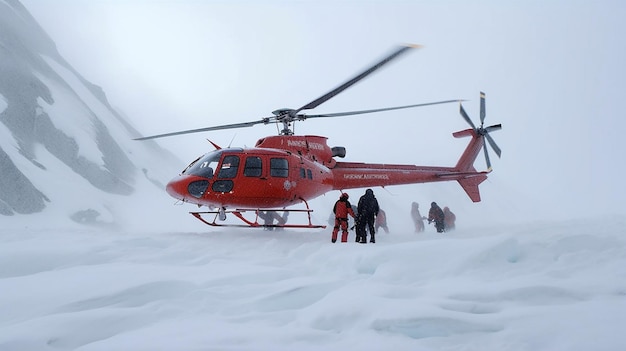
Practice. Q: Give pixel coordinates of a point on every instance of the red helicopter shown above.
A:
(286, 169)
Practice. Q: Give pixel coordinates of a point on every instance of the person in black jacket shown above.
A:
(436, 215)
(368, 210)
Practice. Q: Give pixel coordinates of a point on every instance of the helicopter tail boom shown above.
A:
(350, 175)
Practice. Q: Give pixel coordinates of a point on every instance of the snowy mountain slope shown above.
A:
(63, 144)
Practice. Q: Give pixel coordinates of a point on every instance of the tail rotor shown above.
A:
(483, 131)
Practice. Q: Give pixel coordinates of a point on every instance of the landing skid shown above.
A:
(265, 215)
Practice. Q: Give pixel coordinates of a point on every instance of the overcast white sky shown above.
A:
(553, 73)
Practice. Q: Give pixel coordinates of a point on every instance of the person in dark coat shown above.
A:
(368, 210)
(359, 228)
(341, 210)
(436, 215)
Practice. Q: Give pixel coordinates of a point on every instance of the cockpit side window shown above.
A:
(230, 166)
(204, 166)
(191, 164)
(279, 167)
(253, 167)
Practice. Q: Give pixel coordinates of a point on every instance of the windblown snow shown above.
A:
(543, 286)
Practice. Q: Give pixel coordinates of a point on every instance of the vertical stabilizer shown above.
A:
(470, 185)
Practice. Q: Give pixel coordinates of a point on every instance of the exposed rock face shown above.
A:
(17, 193)
(48, 109)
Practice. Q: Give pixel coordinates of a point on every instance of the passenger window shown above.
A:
(279, 167)
(309, 174)
(302, 173)
(254, 167)
(230, 165)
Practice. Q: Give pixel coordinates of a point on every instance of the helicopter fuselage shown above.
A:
(279, 171)
(285, 170)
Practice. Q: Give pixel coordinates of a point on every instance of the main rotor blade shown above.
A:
(227, 126)
(493, 144)
(466, 117)
(482, 108)
(350, 113)
(346, 85)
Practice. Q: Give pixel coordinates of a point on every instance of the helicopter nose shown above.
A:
(186, 187)
(176, 188)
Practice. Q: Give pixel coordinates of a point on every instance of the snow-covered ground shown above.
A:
(540, 286)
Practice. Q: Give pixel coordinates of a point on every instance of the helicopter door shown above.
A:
(228, 171)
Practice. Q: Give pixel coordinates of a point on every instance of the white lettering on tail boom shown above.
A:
(366, 176)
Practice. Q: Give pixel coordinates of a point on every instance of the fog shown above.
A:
(537, 265)
(552, 72)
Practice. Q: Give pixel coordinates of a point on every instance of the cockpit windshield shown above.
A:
(205, 165)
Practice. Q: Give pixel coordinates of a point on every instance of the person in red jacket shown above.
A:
(381, 221)
(341, 210)
(448, 219)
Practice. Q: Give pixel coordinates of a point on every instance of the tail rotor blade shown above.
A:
(466, 117)
(493, 127)
(493, 144)
(482, 108)
(487, 156)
